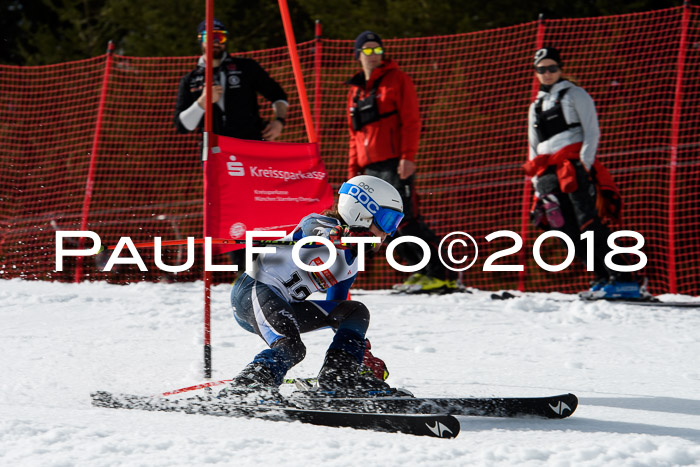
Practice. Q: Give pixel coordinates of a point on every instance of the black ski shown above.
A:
(439, 426)
(439, 291)
(502, 296)
(648, 302)
(560, 406)
(653, 302)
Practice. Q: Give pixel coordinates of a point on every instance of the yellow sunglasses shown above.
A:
(372, 50)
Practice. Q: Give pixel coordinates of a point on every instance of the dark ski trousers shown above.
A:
(580, 215)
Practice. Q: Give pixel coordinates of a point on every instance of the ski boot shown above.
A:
(254, 385)
(406, 285)
(617, 290)
(428, 285)
(622, 290)
(340, 377)
(598, 284)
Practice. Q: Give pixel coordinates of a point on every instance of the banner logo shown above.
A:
(235, 169)
(237, 230)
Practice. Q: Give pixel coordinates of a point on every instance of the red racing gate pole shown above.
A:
(673, 163)
(296, 66)
(208, 125)
(317, 77)
(90, 184)
(527, 188)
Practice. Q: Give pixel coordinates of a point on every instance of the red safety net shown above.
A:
(474, 90)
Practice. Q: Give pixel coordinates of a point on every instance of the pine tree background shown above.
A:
(40, 32)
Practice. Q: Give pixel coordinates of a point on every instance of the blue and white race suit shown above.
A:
(272, 302)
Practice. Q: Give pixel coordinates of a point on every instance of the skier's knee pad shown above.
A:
(359, 311)
(352, 315)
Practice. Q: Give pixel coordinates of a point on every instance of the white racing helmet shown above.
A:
(365, 199)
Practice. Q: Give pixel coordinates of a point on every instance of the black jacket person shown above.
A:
(237, 83)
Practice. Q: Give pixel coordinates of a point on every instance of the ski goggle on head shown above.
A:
(386, 219)
(217, 36)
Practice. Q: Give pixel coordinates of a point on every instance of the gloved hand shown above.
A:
(338, 232)
(537, 215)
(553, 211)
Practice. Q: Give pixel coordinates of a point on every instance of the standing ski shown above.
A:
(646, 302)
(651, 302)
(308, 397)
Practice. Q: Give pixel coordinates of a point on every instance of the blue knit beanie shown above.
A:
(367, 36)
(218, 26)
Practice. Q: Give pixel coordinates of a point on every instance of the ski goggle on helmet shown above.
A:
(365, 199)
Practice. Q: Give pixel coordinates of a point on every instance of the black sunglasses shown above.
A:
(543, 69)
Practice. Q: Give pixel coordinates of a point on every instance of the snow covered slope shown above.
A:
(634, 369)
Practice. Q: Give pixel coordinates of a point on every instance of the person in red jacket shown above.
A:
(384, 133)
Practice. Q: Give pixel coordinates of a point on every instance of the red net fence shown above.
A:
(111, 117)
